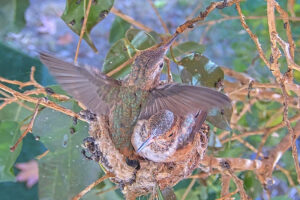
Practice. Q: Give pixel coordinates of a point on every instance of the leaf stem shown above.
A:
(83, 29)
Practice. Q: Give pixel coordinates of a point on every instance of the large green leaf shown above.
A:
(12, 15)
(202, 69)
(15, 65)
(74, 13)
(16, 112)
(119, 53)
(9, 133)
(63, 172)
(124, 49)
(118, 30)
(140, 39)
(53, 128)
(186, 47)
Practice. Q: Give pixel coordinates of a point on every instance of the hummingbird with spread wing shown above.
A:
(139, 96)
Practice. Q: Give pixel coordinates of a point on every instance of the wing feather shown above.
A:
(85, 84)
(184, 99)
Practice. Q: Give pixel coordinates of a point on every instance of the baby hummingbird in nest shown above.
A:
(137, 97)
(165, 137)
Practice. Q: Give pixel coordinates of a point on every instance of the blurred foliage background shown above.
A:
(28, 27)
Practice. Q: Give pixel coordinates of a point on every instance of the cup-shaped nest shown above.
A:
(141, 176)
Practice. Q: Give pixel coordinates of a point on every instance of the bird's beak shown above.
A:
(167, 45)
(146, 143)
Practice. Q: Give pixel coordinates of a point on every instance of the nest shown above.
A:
(141, 176)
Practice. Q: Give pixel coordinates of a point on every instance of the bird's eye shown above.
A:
(161, 65)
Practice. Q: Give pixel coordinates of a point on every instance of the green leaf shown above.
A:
(74, 13)
(124, 49)
(140, 39)
(9, 134)
(63, 171)
(119, 53)
(205, 71)
(195, 194)
(297, 76)
(232, 150)
(16, 65)
(53, 128)
(186, 47)
(63, 174)
(15, 112)
(251, 184)
(160, 195)
(12, 15)
(118, 30)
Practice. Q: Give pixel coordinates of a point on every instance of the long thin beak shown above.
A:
(144, 144)
(170, 42)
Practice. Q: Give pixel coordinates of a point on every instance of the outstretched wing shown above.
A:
(85, 84)
(184, 99)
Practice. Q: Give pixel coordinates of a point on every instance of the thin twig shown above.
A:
(48, 104)
(170, 78)
(286, 49)
(42, 155)
(190, 23)
(83, 29)
(290, 5)
(227, 18)
(88, 188)
(159, 17)
(108, 190)
(123, 65)
(130, 20)
(274, 38)
(201, 41)
(291, 131)
(275, 52)
(285, 17)
(275, 154)
(261, 131)
(227, 196)
(31, 82)
(252, 35)
(192, 183)
(240, 185)
(225, 179)
(29, 127)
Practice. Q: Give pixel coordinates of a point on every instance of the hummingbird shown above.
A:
(165, 137)
(137, 97)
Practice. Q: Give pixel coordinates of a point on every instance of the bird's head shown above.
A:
(148, 65)
(156, 128)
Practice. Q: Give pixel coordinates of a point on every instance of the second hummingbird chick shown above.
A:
(164, 136)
